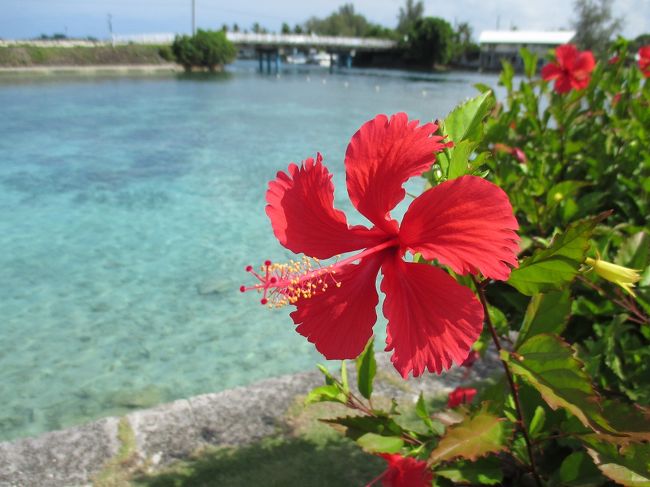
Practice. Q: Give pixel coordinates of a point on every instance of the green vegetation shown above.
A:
(118, 470)
(408, 16)
(28, 55)
(272, 462)
(346, 22)
(205, 50)
(429, 42)
(570, 405)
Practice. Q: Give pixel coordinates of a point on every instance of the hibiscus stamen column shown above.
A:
(480, 288)
(282, 284)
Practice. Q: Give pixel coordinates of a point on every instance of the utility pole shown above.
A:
(193, 17)
(109, 18)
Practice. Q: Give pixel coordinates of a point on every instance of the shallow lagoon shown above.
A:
(129, 207)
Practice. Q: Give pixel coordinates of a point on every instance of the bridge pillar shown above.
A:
(276, 55)
(268, 63)
(260, 57)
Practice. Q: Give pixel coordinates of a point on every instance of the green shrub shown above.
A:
(206, 49)
(430, 42)
(166, 53)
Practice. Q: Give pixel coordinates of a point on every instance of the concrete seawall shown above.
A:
(173, 431)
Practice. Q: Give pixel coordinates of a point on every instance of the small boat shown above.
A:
(322, 58)
(298, 58)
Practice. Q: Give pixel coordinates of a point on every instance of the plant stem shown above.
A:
(624, 303)
(511, 381)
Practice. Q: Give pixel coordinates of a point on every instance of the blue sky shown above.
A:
(30, 18)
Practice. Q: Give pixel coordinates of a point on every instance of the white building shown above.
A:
(505, 44)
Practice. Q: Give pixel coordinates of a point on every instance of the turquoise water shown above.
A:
(129, 208)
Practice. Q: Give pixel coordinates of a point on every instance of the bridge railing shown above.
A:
(309, 40)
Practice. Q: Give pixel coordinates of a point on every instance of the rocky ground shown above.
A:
(157, 437)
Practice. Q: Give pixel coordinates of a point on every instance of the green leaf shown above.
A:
(331, 393)
(358, 426)
(632, 420)
(556, 266)
(466, 120)
(423, 413)
(635, 252)
(563, 191)
(329, 378)
(458, 165)
(530, 62)
(537, 423)
(472, 438)
(546, 313)
(375, 443)
(507, 73)
(549, 365)
(486, 471)
(628, 465)
(578, 469)
(344, 378)
(366, 369)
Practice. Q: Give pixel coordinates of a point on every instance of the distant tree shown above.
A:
(53, 37)
(463, 34)
(205, 49)
(430, 42)
(642, 40)
(224, 28)
(345, 22)
(595, 24)
(297, 29)
(235, 28)
(408, 15)
(256, 28)
(464, 48)
(285, 28)
(379, 32)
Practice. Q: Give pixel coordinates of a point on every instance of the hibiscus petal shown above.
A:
(405, 472)
(581, 74)
(432, 320)
(381, 156)
(302, 213)
(566, 55)
(339, 320)
(551, 71)
(584, 63)
(563, 84)
(467, 224)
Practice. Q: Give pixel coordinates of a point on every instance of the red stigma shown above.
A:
(264, 301)
(267, 263)
(249, 268)
(242, 289)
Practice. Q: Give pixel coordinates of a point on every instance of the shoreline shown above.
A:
(174, 431)
(93, 69)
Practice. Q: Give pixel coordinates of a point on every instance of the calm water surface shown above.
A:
(128, 210)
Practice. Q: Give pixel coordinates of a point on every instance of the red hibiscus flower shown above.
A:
(404, 472)
(460, 395)
(644, 60)
(572, 71)
(466, 224)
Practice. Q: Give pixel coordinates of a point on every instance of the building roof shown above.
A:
(526, 37)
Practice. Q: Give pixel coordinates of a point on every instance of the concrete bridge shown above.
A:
(339, 49)
(309, 41)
